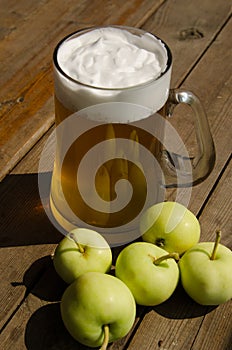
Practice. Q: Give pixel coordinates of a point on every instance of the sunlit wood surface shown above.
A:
(199, 35)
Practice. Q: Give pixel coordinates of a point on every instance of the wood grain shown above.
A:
(26, 102)
(199, 35)
(180, 323)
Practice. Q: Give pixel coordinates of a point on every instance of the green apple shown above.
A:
(171, 226)
(150, 273)
(205, 272)
(97, 309)
(82, 250)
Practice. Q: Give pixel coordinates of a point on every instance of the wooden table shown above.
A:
(199, 35)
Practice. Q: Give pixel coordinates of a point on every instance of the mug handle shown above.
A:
(203, 162)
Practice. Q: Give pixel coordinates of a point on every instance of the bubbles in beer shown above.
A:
(107, 173)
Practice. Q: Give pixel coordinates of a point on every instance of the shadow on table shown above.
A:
(23, 220)
(180, 306)
(42, 280)
(45, 331)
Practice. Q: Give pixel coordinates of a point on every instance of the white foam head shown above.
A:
(113, 64)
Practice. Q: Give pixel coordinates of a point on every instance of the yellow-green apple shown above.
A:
(150, 273)
(82, 250)
(97, 309)
(205, 271)
(171, 226)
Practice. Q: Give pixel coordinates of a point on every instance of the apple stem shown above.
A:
(81, 249)
(106, 337)
(217, 240)
(165, 257)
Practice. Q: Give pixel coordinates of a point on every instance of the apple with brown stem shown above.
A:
(98, 309)
(206, 272)
(82, 250)
(149, 271)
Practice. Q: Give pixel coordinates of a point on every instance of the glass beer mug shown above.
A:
(116, 152)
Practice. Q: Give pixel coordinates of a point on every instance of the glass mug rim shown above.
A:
(134, 30)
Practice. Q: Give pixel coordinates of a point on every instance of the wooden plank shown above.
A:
(209, 80)
(183, 119)
(26, 103)
(217, 214)
(213, 82)
(17, 282)
(60, 19)
(39, 315)
(218, 211)
(37, 104)
(26, 237)
(181, 339)
(180, 323)
(32, 111)
(16, 226)
(188, 31)
(216, 330)
(40, 324)
(13, 13)
(208, 73)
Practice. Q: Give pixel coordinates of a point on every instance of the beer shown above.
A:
(119, 159)
(108, 137)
